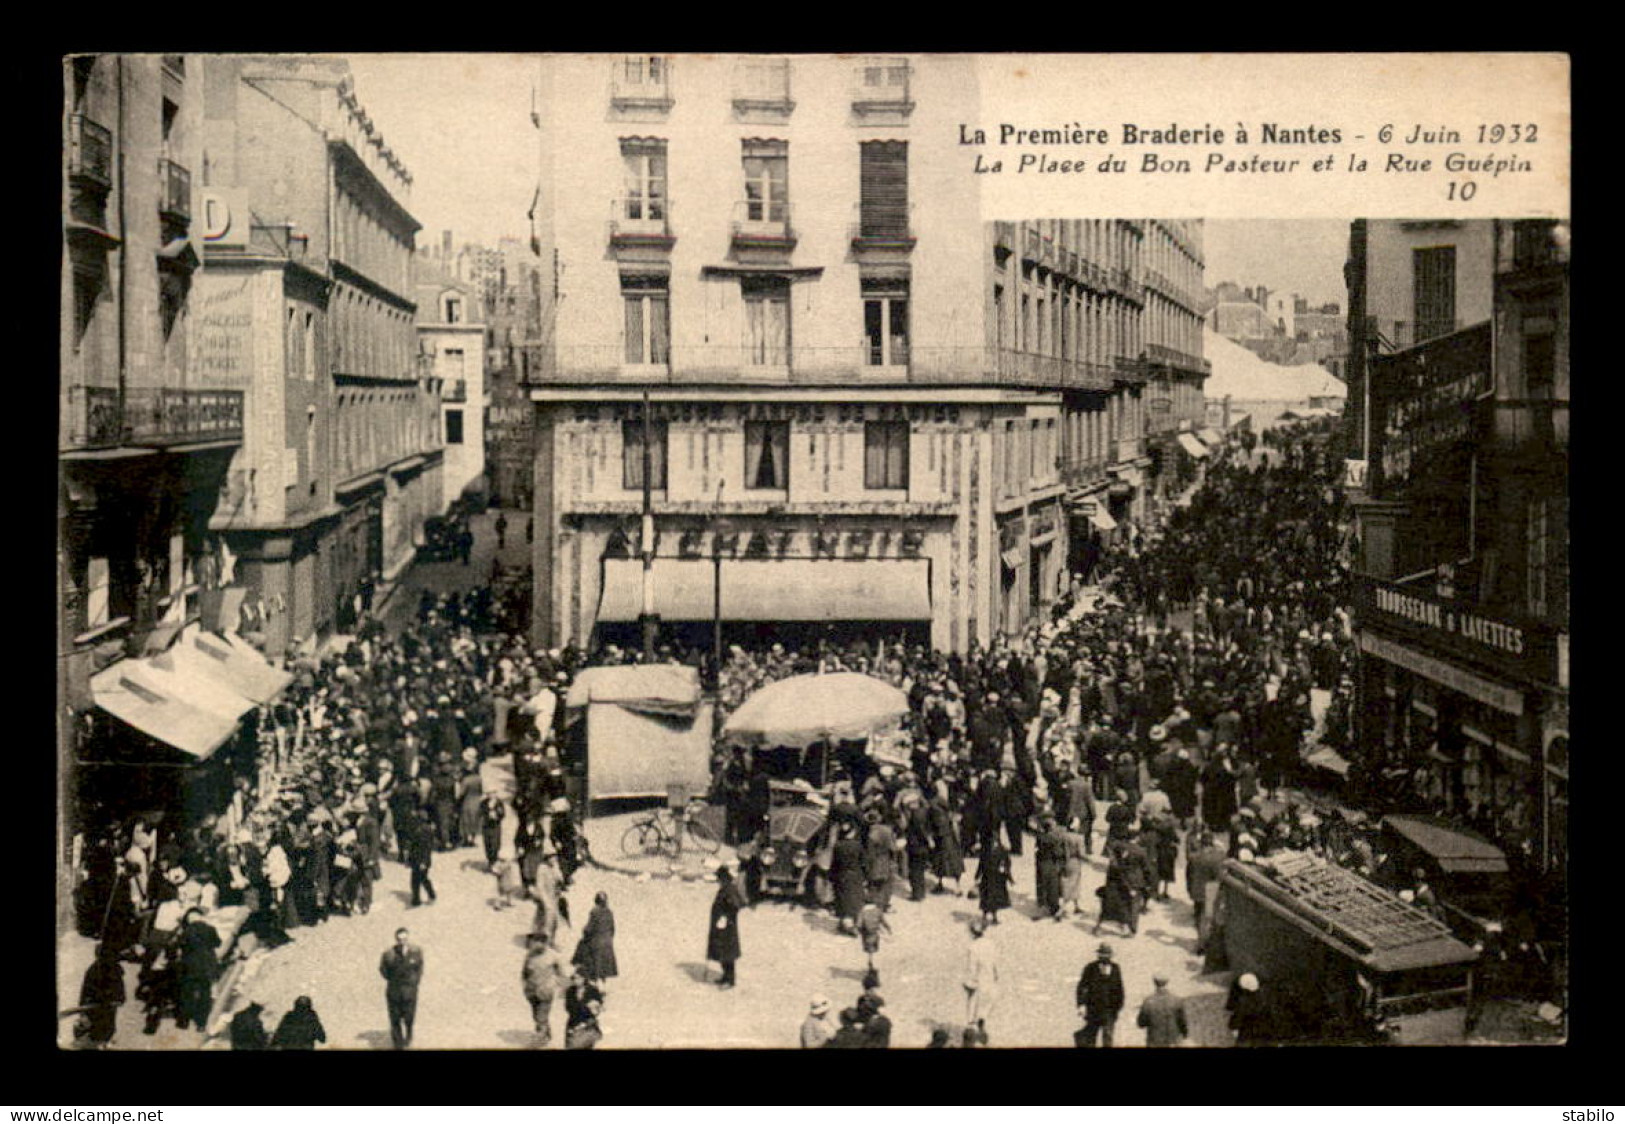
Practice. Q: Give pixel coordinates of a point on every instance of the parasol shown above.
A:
(804, 709)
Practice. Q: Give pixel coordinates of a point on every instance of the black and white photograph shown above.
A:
(635, 552)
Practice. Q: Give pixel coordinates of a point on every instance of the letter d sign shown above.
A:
(225, 219)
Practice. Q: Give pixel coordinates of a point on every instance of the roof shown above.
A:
(1455, 849)
(661, 688)
(1244, 376)
(1362, 920)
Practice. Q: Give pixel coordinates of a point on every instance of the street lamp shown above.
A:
(719, 526)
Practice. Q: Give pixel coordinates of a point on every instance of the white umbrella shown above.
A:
(805, 709)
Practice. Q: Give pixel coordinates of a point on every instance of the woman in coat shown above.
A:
(491, 814)
(300, 1029)
(595, 953)
(722, 940)
(471, 793)
(947, 858)
(993, 881)
(1119, 896)
(847, 876)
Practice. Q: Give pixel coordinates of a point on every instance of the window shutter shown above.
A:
(883, 189)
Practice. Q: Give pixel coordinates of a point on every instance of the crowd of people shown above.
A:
(1186, 738)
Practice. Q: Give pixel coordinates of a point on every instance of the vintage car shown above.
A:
(792, 857)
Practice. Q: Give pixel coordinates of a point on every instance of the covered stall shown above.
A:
(810, 713)
(642, 730)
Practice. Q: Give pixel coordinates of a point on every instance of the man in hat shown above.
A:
(817, 1029)
(247, 1031)
(879, 861)
(1163, 1016)
(544, 977)
(1100, 997)
(876, 1026)
(1249, 1017)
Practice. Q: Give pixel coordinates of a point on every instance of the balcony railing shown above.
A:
(883, 228)
(763, 224)
(641, 82)
(99, 417)
(90, 152)
(175, 186)
(456, 390)
(1004, 235)
(967, 365)
(641, 221)
(1383, 336)
(1083, 471)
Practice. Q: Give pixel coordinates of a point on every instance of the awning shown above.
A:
(165, 675)
(768, 590)
(121, 691)
(1455, 850)
(1191, 445)
(655, 688)
(245, 672)
(1011, 559)
(1102, 518)
(1212, 437)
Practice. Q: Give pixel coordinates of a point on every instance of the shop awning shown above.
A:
(164, 675)
(769, 590)
(241, 669)
(1211, 437)
(1011, 559)
(1102, 518)
(126, 693)
(1191, 445)
(653, 688)
(1456, 851)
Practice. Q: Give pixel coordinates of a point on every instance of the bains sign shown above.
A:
(1424, 408)
(1525, 649)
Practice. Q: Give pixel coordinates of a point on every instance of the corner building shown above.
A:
(856, 412)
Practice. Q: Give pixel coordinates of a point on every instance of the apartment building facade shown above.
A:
(452, 338)
(1461, 497)
(308, 290)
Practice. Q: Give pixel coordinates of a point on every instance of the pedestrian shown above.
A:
(402, 969)
(876, 1026)
(981, 980)
(1204, 864)
(879, 861)
(419, 848)
(850, 1035)
(595, 952)
(816, 1028)
(871, 923)
(1049, 861)
(300, 1029)
(198, 968)
(722, 942)
(1075, 851)
(846, 875)
(502, 530)
(491, 814)
(947, 855)
(1163, 1016)
(544, 976)
(993, 880)
(1100, 997)
(917, 843)
(471, 806)
(1249, 1015)
(583, 1003)
(510, 889)
(566, 843)
(101, 994)
(548, 890)
(247, 1031)
(1081, 808)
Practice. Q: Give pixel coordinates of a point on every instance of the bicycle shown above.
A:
(663, 832)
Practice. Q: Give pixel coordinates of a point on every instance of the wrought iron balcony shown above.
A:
(762, 88)
(883, 229)
(100, 417)
(763, 224)
(456, 390)
(90, 152)
(175, 187)
(641, 222)
(881, 86)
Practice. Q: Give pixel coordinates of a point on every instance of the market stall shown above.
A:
(642, 730)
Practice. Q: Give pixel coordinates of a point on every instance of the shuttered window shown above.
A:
(1434, 275)
(883, 189)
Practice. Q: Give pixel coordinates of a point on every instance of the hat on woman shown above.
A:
(820, 1005)
(1248, 982)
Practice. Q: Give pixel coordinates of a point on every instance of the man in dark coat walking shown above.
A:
(1100, 997)
(491, 816)
(1204, 863)
(102, 993)
(1049, 854)
(417, 847)
(722, 941)
(879, 862)
(247, 1031)
(846, 874)
(595, 954)
(917, 842)
(402, 969)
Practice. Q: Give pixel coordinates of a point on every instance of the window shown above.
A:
(632, 455)
(885, 325)
(885, 455)
(998, 316)
(310, 346)
(643, 70)
(883, 189)
(767, 176)
(647, 309)
(294, 343)
(885, 79)
(1434, 278)
(767, 321)
(87, 286)
(454, 310)
(644, 162)
(767, 455)
(454, 361)
(454, 427)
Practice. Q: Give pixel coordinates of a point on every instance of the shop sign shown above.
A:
(1424, 407)
(1445, 674)
(1526, 649)
(807, 413)
(1045, 522)
(1354, 474)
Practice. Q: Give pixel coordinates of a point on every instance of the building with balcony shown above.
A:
(780, 257)
(307, 296)
(451, 342)
(144, 441)
(1461, 497)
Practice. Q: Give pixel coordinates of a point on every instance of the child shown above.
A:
(510, 887)
(871, 922)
